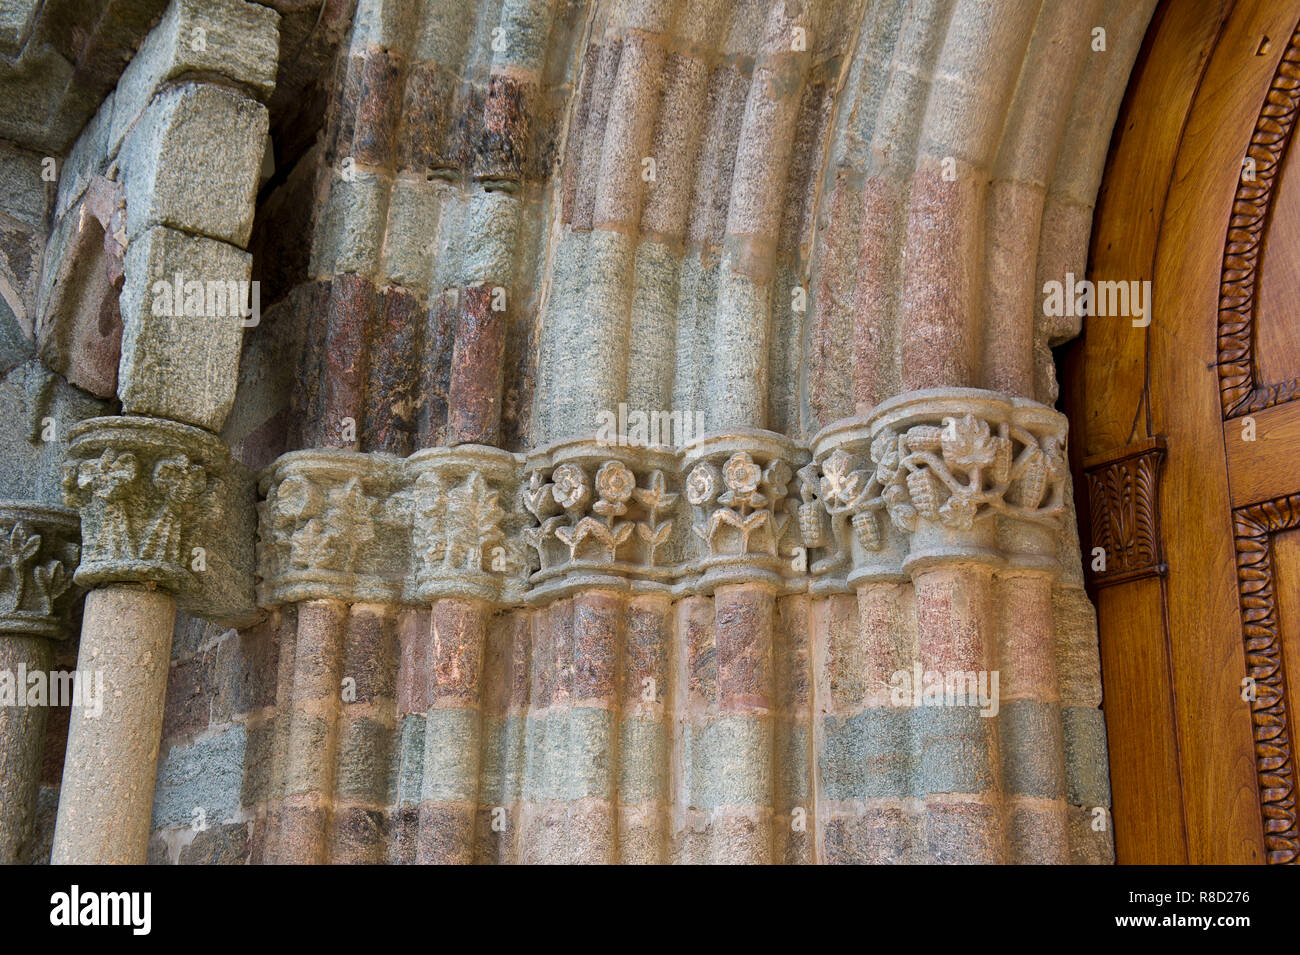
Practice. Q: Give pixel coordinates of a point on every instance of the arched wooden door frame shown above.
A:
(1187, 513)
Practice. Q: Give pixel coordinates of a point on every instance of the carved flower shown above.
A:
(570, 489)
(702, 484)
(615, 483)
(741, 473)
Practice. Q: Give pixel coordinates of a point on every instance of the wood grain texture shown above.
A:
(1221, 795)
(1130, 205)
(1213, 87)
(1264, 468)
(1145, 778)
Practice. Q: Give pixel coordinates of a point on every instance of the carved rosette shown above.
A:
(142, 486)
(936, 475)
(38, 557)
(466, 536)
(745, 526)
(332, 525)
(600, 516)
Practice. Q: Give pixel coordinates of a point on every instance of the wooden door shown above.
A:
(1186, 436)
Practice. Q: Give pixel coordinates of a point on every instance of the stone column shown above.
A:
(141, 485)
(38, 547)
(959, 492)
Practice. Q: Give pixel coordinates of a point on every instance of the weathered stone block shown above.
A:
(39, 410)
(175, 363)
(16, 18)
(237, 40)
(351, 228)
(78, 326)
(86, 159)
(191, 162)
(26, 194)
(15, 348)
(201, 781)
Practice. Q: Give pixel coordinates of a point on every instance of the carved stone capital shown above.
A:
(333, 524)
(602, 515)
(38, 557)
(351, 526)
(466, 531)
(745, 526)
(939, 475)
(956, 474)
(142, 486)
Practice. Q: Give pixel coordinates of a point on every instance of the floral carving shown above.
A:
(600, 516)
(654, 499)
(38, 553)
(141, 487)
(952, 475)
(107, 480)
(570, 488)
(323, 528)
(745, 518)
(456, 524)
(29, 585)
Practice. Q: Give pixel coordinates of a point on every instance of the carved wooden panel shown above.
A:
(1239, 390)
(1254, 528)
(1123, 504)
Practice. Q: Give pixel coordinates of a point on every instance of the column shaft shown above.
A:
(106, 802)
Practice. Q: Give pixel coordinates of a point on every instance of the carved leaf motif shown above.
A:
(1254, 527)
(430, 493)
(539, 497)
(967, 443)
(312, 545)
(655, 496)
(959, 512)
(22, 547)
(840, 483)
(1146, 546)
(473, 522)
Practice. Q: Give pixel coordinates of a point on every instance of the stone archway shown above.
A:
(484, 632)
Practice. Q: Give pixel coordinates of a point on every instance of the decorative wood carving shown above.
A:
(1124, 507)
(1254, 528)
(1239, 392)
